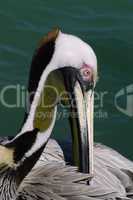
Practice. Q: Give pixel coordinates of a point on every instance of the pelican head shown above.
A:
(64, 64)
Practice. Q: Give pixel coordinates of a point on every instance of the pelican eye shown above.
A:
(86, 72)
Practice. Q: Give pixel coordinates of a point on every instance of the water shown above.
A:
(106, 25)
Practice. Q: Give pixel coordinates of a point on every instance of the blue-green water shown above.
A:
(106, 25)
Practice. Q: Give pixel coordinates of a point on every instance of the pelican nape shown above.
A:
(32, 167)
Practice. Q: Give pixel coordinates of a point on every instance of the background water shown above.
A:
(106, 25)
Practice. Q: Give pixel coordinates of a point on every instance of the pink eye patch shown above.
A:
(86, 72)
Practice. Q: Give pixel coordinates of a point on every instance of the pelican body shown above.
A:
(32, 166)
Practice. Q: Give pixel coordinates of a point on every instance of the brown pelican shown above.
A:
(66, 63)
(112, 173)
